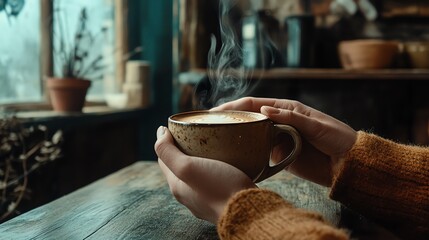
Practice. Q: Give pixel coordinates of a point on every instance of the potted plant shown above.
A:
(77, 65)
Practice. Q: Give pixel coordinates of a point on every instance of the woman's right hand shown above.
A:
(325, 139)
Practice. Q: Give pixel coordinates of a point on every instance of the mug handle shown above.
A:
(271, 170)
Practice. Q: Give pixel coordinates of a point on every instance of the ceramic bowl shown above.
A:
(116, 100)
(368, 53)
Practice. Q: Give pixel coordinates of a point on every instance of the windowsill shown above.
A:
(42, 113)
(90, 110)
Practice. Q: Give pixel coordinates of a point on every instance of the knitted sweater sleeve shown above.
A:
(262, 214)
(388, 182)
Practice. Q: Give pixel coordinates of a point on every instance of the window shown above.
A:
(21, 44)
(20, 55)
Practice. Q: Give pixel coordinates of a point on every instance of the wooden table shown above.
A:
(135, 203)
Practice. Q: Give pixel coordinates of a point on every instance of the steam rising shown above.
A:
(226, 72)
(227, 77)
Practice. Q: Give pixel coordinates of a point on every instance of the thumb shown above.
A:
(166, 150)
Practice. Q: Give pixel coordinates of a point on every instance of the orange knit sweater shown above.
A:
(382, 180)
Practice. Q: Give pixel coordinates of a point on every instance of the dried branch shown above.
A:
(22, 151)
(76, 61)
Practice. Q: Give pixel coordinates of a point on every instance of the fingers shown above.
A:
(254, 105)
(246, 104)
(202, 185)
(307, 126)
(173, 181)
(326, 133)
(169, 175)
(182, 192)
(196, 172)
(186, 168)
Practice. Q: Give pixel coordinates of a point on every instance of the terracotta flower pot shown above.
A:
(67, 94)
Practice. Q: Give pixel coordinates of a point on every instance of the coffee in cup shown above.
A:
(242, 139)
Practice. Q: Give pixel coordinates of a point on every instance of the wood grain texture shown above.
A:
(46, 43)
(135, 203)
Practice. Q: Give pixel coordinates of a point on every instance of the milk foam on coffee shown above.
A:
(219, 118)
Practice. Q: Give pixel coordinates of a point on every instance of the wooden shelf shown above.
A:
(335, 74)
(383, 74)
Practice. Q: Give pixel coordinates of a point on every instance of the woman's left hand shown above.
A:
(202, 185)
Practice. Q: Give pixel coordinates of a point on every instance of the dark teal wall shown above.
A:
(150, 26)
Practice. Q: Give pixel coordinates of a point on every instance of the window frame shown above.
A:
(47, 58)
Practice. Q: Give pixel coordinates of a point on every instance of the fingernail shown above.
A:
(270, 110)
(160, 131)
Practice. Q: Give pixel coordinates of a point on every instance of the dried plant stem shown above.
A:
(92, 66)
(28, 155)
(29, 171)
(63, 47)
(22, 191)
(24, 170)
(6, 178)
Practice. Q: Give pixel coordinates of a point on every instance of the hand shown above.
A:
(202, 185)
(325, 139)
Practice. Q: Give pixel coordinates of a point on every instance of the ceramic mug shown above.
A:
(242, 139)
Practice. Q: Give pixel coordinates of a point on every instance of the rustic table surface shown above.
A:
(135, 203)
